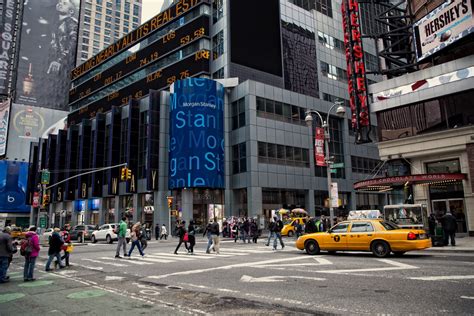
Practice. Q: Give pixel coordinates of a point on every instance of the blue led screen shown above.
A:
(13, 181)
(196, 151)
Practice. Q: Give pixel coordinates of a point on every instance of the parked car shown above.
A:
(106, 233)
(82, 232)
(44, 238)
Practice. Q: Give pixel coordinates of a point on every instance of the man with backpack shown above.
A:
(30, 249)
(55, 246)
(6, 250)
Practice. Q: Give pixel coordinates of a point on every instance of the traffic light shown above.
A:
(170, 201)
(45, 199)
(129, 174)
(123, 174)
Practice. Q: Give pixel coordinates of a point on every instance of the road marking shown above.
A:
(133, 261)
(238, 265)
(395, 266)
(320, 262)
(113, 278)
(200, 255)
(106, 263)
(156, 260)
(443, 277)
(169, 257)
(468, 297)
(276, 278)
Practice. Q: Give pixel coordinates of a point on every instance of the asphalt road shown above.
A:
(244, 279)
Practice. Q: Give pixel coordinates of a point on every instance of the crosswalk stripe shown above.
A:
(129, 261)
(169, 256)
(247, 251)
(106, 263)
(200, 255)
(157, 260)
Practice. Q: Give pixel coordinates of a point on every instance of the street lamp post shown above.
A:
(340, 111)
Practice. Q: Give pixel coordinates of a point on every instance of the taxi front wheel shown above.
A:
(312, 247)
(380, 248)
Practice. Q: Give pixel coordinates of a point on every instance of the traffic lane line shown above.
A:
(443, 277)
(468, 297)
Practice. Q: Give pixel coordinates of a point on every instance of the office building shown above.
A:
(272, 60)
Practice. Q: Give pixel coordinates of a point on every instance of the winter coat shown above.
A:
(55, 244)
(35, 244)
(6, 246)
(449, 222)
(163, 230)
(180, 231)
(253, 229)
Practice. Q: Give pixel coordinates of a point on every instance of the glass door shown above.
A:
(456, 206)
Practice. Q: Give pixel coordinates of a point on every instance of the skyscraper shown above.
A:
(103, 22)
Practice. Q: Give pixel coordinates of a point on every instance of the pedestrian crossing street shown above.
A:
(154, 257)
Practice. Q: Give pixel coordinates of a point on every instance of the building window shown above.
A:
(364, 165)
(124, 140)
(333, 72)
(219, 74)
(217, 10)
(283, 155)
(331, 42)
(280, 111)
(218, 45)
(136, 9)
(323, 6)
(333, 99)
(239, 158)
(142, 145)
(238, 113)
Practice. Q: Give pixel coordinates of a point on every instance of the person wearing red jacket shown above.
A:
(66, 236)
(30, 260)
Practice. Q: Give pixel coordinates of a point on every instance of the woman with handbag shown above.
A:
(181, 233)
(135, 236)
(191, 237)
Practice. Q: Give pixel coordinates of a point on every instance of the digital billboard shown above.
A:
(13, 182)
(47, 52)
(8, 34)
(196, 150)
(448, 23)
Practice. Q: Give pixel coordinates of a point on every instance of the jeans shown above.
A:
(278, 236)
(29, 268)
(136, 243)
(122, 242)
(270, 236)
(209, 243)
(66, 257)
(215, 242)
(448, 235)
(56, 255)
(3, 268)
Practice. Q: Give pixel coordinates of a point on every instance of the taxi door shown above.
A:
(337, 237)
(360, 235)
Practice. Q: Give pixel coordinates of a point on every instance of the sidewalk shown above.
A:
(463, 244)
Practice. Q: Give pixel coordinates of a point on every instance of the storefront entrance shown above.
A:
(456, 206)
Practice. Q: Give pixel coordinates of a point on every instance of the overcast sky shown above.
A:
(150, 8)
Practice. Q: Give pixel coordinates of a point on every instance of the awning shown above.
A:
(380, 184)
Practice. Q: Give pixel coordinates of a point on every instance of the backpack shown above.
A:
(26, 247)
(280, 225)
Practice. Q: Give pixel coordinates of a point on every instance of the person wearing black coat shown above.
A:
(432, 224)
(448, 221)
(157, 231)
(180, 232)
(253, 230)
(310, 227)
(54, 251)
(191, 237)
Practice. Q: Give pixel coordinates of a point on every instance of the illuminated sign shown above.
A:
(4, 120)
(448, 23)
(319, 147)
(193, 65)
(144, 30)
(196, 150)
(150, 54)
(356, 71)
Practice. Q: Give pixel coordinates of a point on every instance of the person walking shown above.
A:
(448, 221)
(298, 230)
(254, 230)
(30, 260)
(180, 232)
(246, 230)
(271, 231)
(432, 224)
(207, 232)
(215, 236)
(135, 235)
(191, 237)
(164, 232)
(66, 236)
(143, 237)
(6, 250)
(157, 231)
(277, 230)
(235, 231)
(121, 240)
(54, 251)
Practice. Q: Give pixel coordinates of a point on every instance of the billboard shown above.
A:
(13, 182)
(319, 147)
(4, 120)
(27, 124)
(196, 150)
(448, 23)
(47, 52)
(8, 32)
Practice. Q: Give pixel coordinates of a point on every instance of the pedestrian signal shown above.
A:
(45, 199)
(129, 174)
(170, 201)
(123, 174)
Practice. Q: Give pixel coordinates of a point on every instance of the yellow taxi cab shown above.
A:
(17, 233)
(376, 235)
(289, 225)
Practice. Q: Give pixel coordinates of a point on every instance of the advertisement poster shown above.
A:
(4, 120)
(8, 31)
(47, 52)
(448, 23)
(196, 151)
(319, 147)
(334, 195)
(13, 181)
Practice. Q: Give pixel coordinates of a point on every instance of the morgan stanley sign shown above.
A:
(196, 150)
(448, 23)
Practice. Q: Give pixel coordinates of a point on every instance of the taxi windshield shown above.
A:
(389, 225)
(287, 221)
(404, 215)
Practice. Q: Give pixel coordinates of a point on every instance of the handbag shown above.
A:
(186, 237)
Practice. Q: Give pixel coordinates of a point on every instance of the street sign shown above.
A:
(337, 165)
(333, 170)
(43, 222)
(45, 177)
